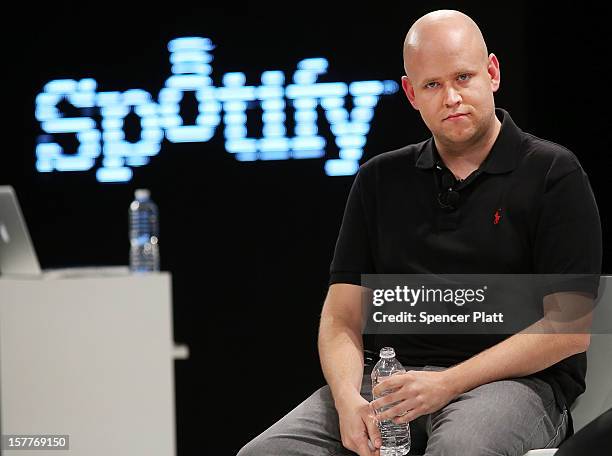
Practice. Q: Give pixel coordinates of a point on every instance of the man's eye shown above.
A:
(430, 85)
(464, 77)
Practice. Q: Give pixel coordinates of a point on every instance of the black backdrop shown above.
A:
(249, 244)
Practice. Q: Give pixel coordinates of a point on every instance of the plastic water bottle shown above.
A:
(395, 437)
(144, 232)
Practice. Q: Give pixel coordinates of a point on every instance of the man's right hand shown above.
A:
(357, 425)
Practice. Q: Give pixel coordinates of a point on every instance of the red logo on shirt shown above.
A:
(497, 216)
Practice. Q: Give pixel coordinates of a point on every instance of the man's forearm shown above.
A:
(341, 354)
(518, 356)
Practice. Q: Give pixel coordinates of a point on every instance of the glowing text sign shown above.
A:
(190, 58)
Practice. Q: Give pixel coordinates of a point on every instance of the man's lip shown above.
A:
(456, 115)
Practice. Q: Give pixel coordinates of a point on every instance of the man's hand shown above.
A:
(417, 393)
(357, 425)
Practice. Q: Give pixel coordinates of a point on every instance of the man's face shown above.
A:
(451, 84)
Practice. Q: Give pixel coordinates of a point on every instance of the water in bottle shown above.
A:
(395, 437)
(144, 232)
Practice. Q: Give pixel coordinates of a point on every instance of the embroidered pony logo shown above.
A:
(497, 217)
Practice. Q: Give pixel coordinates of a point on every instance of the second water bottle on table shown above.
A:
(144, 232)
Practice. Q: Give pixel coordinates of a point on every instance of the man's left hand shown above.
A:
(416, 393)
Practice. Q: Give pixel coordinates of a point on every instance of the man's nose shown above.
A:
(452, 97)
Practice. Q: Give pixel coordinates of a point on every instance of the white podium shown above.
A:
(90, 356)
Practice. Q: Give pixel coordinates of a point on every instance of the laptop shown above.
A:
(17, 255)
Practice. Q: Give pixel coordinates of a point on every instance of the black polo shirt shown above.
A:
(528, 209)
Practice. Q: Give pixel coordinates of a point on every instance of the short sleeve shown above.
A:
(568, 235)
(352, 255)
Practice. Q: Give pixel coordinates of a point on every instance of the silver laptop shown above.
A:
(17, 255)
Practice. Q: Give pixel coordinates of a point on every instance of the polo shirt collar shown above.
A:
(502, 158)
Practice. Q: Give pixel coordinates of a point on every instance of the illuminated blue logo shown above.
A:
(104, 142)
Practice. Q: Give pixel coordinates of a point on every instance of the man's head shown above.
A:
(449, 71)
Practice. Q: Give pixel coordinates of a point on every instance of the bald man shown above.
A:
(480, 196)
(450, 79)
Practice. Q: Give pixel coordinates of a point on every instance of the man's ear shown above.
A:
(494, 72)
(409, 91)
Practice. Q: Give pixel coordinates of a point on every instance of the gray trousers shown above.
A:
(507, 417)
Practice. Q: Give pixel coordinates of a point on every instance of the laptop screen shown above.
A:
(17, 255)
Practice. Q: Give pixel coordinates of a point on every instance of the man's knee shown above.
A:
(256, 447)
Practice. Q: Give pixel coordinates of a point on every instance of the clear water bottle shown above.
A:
(144, 232)
(395, 437)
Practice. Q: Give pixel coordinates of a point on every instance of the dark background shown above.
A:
(249, 244)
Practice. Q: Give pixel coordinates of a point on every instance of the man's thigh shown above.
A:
(507, 417)
(311, 428)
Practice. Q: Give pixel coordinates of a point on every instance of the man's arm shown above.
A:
(341, 354)
(340, 342)
(561, 333)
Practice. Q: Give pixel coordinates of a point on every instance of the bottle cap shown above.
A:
(387, 352)
(142, 194)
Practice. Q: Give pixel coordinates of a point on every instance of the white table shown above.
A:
(89, 355)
